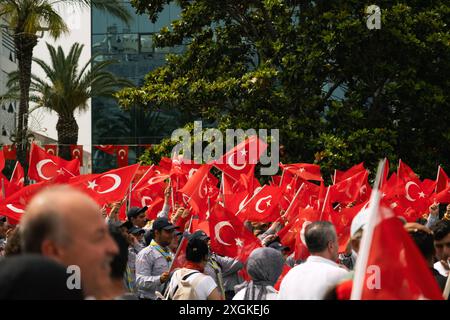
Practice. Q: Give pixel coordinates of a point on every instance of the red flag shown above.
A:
(17, 180)
(405, 173)
(9, 151)
(108, 187)
(442, 181)
(14, 206)
(305, 217)
(304, 170)
(342, 175)
(51, 149)
(109, 149)
(45, 167)
(264, 206)
(443, 196)
(348, 190)
(122, 156)
(242, 158)
(229, 236)
(390, 266)
(2, 161)
(199, 188)
(342, 221)
(77, 153)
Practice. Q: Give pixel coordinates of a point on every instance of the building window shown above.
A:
(11, 108)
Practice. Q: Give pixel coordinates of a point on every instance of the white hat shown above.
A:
(359, 221)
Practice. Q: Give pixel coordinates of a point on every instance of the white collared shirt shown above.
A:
(311, 280)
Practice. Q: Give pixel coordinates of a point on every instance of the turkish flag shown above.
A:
(342, 175)
(122, 156)
(264, 206)
(305, 217)
(51, 149)
(17, 181)
(405, 173)
(416, 194)
(229, 236)
(45, 167)
(14, 206)
(10, 152)
(390, 266)
(242, 158)
(77, 153)
(109, 149)
(309, 195)
(199, 188)
(348, 190)
(107, 187)
(443, 196)
(342, 221)
(442, 181)
(304, 170)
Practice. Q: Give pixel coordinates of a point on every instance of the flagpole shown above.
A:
(293, 199)
(447, 289)
(334, 177)
(3, 189)
(14, 171)
(363, 255)
(143, 177)
(171, 192)
(398, 168)
(437, 178)
(324, 203)
(249, 200)
(222, 188)
(282, 176)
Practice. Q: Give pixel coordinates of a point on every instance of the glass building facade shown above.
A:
(132, 47)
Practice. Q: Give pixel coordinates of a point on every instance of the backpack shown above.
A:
(184, 289)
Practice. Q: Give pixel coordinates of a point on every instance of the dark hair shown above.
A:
(12, 246)
(318, 234)
(119, 262)
(148, 236)
(48, 225)
(197, 250)
(424, 242)
(441, 229)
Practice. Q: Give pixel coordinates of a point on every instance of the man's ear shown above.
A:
(49, 249)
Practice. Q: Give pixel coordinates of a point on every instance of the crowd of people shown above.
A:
(64, 229)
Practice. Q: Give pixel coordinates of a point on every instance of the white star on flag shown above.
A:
(92, 185)
(421, 194)
(244, 152)
(239, 242)
(301, 169)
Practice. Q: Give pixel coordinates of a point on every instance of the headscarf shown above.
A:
(265, 266)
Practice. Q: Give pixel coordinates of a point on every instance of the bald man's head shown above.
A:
(66, 225)
(51, 213)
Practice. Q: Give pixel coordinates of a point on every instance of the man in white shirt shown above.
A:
(312, 279)
(441, 232)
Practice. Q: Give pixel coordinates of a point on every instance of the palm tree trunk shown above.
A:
(67, 128)
(24, 44)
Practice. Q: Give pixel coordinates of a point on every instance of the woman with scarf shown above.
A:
(264, 266)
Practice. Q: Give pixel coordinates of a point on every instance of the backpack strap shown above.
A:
(185, 277)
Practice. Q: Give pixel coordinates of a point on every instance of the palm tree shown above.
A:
(65, 89)
(28, 20)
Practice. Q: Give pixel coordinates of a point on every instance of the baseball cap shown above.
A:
(135, 211)
(199, 234)
(163, 223)
(278, 246)
(136, 230)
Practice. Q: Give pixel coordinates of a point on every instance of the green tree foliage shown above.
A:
(339, 92)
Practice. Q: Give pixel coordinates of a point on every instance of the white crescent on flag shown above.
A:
(217, 229)
(258, 203)
(14, 209)
(144, 200)
(201, 192)
(117, 182)
(302, 232)
(192, 172)
(230, 162)
(40, 165)
(408, 185)
(76, 153)
(122, 153)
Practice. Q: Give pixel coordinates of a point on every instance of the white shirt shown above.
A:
(203, 288)
(272, 294)
(311, 280)
(440, 268)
